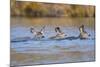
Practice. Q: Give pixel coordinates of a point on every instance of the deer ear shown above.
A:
(42, 28)
(31, 30)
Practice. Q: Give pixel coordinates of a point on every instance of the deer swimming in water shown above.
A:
(83, 33)
(37, 34)
(59, 35)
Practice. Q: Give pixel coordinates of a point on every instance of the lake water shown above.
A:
(27, 51)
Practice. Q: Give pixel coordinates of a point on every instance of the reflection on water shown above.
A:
(30, 51)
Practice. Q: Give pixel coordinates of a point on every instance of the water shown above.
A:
(51, 51)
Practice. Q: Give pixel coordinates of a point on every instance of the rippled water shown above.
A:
(51, 51)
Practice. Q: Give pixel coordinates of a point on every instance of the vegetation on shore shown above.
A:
(39, 9)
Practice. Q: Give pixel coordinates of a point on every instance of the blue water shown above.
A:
(25, 50)
(47, 45)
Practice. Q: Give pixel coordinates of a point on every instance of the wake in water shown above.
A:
(52, 44)
(59, 35)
